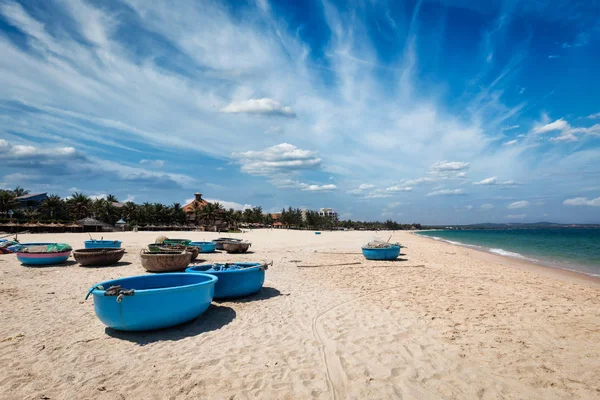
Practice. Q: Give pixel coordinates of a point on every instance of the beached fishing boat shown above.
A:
(235, 279)
(102, 244)
(98, 257)
(43, 253)
(381, 251)
(184, 242)
(317, 233)
(155, 248)
(165, 260)
(141, 303)
(205, 247)
(236, 247)
(219, 242)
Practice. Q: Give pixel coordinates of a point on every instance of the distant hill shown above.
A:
(516, 225)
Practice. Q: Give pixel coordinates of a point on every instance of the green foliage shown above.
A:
(8, 201)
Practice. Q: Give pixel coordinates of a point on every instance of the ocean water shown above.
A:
(575, 249)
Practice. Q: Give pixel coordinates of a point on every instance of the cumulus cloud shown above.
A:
(399, 189)
(557, 125)
(366, 186)
(449, 166)
(317, 188)
(582, 201)
(594, 116)
(486, 206)
(264, 106)
(227, 204)
(281, 158)
(446, 192)
(488, 181)
(153, 163)
(518, 204)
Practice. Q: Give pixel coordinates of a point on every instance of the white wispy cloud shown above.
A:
(516, 216)
(510, 142)
(450, 166)
(153, 163)
(486, 206)
(446, 192)
(557, 125)
(281, 158)
(226, 204)
(399, 189)
(518, 204)
(488, 181)
(263, 106)
(582, 201)
(594, 116)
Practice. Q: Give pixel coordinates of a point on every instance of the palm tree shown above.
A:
(197, 209)
(19, 191)
(112, 198)
(129, 212)
(8, 201)
(51, 205)
(210, 212)
(79, 205)
(105, 211)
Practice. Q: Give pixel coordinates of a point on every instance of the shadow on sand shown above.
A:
(119, 264)
(265, 293)
(214, 318)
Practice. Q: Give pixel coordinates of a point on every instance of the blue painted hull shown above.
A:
(389, 253)
(159, 301)
(102, 244)
(205, 247)
(45, 259)
(234, 283)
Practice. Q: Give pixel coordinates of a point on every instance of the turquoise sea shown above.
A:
(575, 249)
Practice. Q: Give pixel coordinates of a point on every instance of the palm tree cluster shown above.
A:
(109, 210)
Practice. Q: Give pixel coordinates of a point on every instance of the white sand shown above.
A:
(443, 322)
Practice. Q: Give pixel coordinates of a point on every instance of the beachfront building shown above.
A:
(196, 214)
(31, 201)
(328, 212)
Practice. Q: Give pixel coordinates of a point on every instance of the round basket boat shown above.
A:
(390, 252)
(102, 244)
(236, 247)
(157, 248)
(220, 241)
(146, 302)
(236, 279)
(205, 247)
(43, 253)
(98, 257)
(165, 260)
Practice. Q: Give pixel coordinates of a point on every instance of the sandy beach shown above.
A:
(440, 322)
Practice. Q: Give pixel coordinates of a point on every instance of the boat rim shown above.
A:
(393, 246)
(256, 266)
(213, 279)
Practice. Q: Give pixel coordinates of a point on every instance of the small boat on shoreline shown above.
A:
(43, 253)
(219, 242)
(147, 302)
(377, 250)
(237, 279)
(205, 247)
(102, 244)
(165, 260)
(98, 257)
(155, 248)
(236, 247)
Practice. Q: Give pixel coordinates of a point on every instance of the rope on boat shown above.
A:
(119, 292)
(113, 291)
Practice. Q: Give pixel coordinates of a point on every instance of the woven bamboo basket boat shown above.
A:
(165, 260)
(192, 249)
(236, 247)
(98, 257)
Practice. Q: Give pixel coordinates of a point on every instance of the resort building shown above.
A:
(328, 212)
(31, 200)
(213, 223)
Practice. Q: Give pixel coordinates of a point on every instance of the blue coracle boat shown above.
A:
(235, 280)
(146, 302)
(386, 253)
(102, 244)
(46, 253)
(205, 247)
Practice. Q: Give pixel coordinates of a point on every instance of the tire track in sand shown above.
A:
(336, 377)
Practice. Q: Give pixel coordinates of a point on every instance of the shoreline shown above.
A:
(523, 264)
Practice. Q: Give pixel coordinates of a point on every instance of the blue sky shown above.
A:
(446, 111)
